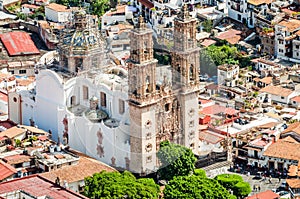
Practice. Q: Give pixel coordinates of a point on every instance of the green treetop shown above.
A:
(120, 185)
(176, 160)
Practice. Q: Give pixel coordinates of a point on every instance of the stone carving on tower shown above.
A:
(81, 45)
(185, 77)
(164, 111)
(142, 99)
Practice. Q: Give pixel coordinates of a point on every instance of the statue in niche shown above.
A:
(113, 161)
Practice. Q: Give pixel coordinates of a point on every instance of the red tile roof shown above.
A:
(18, 43)
(215, 109)
(6, 170)
(3, 97)
(208, 42)
(264, 195)
(74, 173)
(232, 36)
(58, 7)
(16, 159)
(7, 124)
(38, 186)
(211, 137)
(296, 99)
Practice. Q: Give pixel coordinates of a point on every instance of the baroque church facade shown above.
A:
(117, 115)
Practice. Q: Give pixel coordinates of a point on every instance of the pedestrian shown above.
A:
(279, 178)
(270, 178)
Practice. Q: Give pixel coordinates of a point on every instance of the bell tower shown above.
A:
(185, 56)
(185, 77)
(142, 99)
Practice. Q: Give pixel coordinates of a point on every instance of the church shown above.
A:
(118, 115)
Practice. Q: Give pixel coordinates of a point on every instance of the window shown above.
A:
(297, 46)
(167, 107)
(121, 106)
(192, 145)
(239, 17)
(282, 97)
(22, 71)
(85, 91)
(192, 134)
(103, 99)
(191, 124)
(149, 158)
(148, 136)
(148, 147)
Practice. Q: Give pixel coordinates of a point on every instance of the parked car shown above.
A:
(283, 186)
(281, 193)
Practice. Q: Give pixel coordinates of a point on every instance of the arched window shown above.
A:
(134, 85)
(148, 90)
(191, 72)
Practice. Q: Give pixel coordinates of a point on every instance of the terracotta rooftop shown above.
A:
(284, 149)
(3, 97)
(276, 90)
(39, 187)
(34, 130)
(18, 43)
(215, 109)
(290, 25)
(294, 183)
(210, 137)
(232, 36)
(296, 99)
(266, 80)
(290, 139)
(119, 10)
(264, 195)
(7, 124)
(58, 7)
(12, 132)
(227, 67)
(6, 170)
(259, 2)
(16, 159)
(208, 42)
(295, 127)
(86, 167)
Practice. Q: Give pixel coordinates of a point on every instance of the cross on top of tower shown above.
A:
(184, 13)
(141, 23)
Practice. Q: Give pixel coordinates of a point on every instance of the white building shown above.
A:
(28, 8)
(120, 14)
(228, 75)
(93, 109)
(286, 34)
(279, 94)
(58, 13)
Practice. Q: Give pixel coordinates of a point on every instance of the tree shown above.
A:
(207, 25)
(235, 183)
(176, 160)
(241, 189)
(195, 187)
(99, 7)
(119, 185)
